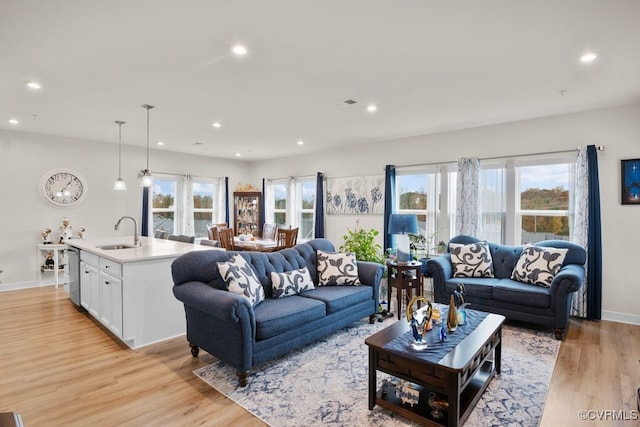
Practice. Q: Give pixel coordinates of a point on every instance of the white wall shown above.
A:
(618, 129)
(25, 158)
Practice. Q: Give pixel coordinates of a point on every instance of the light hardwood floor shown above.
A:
(59, 367)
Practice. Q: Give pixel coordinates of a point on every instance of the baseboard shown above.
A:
(18, 285)
(613, 316)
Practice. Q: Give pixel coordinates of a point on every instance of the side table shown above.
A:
(404, 278)
(56, 267)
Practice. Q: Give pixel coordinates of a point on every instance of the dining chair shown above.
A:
(213, 230)
(269, 231)
(209, 242)
(182, 238)
(226, 239)
(287, 238)
(161, 234)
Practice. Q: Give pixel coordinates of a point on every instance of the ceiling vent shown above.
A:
(346, 103)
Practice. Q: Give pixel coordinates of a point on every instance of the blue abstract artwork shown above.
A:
(355, 195)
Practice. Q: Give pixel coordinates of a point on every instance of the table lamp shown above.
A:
(401, 225)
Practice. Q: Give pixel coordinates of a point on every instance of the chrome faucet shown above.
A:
(135, 228)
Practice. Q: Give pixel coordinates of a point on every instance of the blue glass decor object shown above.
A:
(419, 321)
(443, 333)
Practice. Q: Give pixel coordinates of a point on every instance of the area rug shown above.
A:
(325, 383)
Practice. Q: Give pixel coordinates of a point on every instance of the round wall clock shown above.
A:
(63, 188)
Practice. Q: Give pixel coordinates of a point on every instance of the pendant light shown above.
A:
(119, 185)
(147, 179)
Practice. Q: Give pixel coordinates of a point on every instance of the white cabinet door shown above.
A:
(89, 288)
(111, 303)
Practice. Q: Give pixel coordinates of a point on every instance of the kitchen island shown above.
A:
(128, 288)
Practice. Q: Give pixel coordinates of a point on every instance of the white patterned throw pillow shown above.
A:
(291, 282)
(241, 279)
(471, 259)
(337, 269)
(538, 265)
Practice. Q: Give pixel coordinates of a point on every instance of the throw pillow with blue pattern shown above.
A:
(538, 265)
(471, 260)
(337, 269)
(291, 282)
(241, 279)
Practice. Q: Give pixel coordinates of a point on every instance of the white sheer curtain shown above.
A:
(292, 202)
(185, 208)
(580, 229)
(468, 197)
(219, 201)
(269, 202)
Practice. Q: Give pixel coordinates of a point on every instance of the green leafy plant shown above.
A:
(362, 243)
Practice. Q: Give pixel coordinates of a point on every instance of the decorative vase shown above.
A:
(452, 316)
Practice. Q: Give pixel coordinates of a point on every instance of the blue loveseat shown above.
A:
(229, 327)
(548, 306)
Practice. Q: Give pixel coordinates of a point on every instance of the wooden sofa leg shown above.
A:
(560, 333)
(194, 350)
(242, 378)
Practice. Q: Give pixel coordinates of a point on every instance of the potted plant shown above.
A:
(362, 243)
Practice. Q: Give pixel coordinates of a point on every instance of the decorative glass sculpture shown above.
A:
(420, 322)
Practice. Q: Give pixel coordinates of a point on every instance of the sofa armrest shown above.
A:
(370, 273)
(440, 270)
(569, 279)
(223, 305)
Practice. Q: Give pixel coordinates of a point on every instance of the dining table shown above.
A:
(256, 244)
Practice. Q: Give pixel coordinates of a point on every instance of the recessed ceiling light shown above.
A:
(588, 57)
(216, 124)
(300, 142)
(33, 85)
(239, 50)
(237, 154)
(198, 143)
(14, 121)
(160, 143)
(372, 108)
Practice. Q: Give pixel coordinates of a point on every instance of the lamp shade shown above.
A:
(403, 224)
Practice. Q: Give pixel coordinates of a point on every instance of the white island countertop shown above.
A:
(151, 248)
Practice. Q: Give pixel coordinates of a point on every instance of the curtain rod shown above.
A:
(598, 147)
(291, 177)
(183, 174)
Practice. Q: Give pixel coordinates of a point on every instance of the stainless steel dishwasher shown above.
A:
(73, 265)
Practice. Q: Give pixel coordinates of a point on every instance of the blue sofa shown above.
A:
(228, 327)
(513, 299)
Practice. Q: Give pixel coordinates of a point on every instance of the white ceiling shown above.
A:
(429, 65)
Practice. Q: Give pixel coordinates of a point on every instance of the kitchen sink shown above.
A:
(114, 247)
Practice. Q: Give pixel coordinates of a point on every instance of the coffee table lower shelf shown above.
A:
(421, 412)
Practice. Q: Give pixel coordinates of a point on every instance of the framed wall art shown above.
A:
(630, 182)
(360, 195)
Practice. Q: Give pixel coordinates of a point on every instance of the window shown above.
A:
(418, 192)
(203, 211)
(280, 193)
(521, 200)
(306, 197)
(163, 210)
(292, 202)
(169, 210)
(543, 202)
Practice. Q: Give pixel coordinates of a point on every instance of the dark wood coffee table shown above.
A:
(461, 376)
